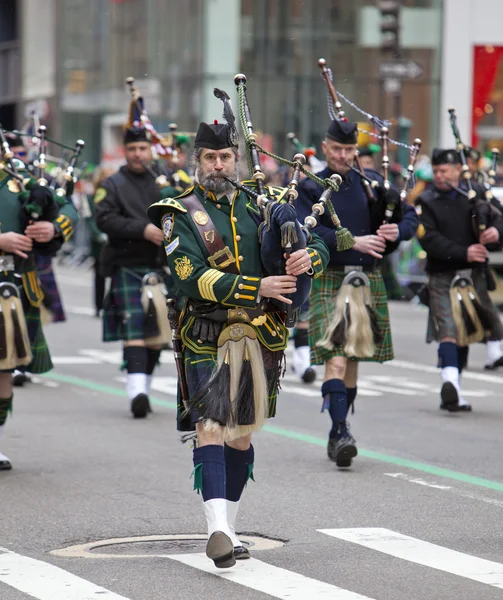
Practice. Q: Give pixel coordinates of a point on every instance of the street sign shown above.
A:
(400, 69)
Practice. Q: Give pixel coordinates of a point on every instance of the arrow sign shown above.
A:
(400, 69)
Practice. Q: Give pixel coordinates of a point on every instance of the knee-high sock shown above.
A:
(351, 399)
(238, 469)
(209, 478)
(301, 353)
(493, 351)
(135, 362)
(5, 409)
(335, 398)
(153, 357)
(449, 363)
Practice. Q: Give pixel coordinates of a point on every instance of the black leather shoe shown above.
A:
(309, 375)
(5, 465)
(19, 379)
(342, 450)
(495, 365)
(140, 406)
(241, 553)
(220, 549)
(450, 398)
(457, 407)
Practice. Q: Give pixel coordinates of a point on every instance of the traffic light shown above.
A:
(390, 26)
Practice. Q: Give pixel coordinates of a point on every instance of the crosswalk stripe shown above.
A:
(43, 581)
(275, 581)
(423, 553)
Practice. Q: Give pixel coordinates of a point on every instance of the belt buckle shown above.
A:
(351, 268)
(238, 315)
(221, 259)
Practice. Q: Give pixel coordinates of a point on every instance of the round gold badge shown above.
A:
(200, 217)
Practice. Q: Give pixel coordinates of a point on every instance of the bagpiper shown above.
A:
(232, 332)
(459, 228)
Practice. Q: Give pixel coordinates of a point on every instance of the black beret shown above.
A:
(14, 139)
(365, 151)
(343, 132)
(136, 134)
(439, 156)
(215, 136)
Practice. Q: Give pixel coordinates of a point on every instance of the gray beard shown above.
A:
(213, 182)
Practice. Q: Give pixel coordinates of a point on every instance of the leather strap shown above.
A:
(221, 257)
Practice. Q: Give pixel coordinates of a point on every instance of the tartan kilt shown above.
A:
(123, 314)
(52, 297)
(322, 309)
(199, 368)
(441, 322)
(41, 361)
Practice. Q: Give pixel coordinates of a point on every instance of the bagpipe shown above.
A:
(354, 325)
(164, 146)
(41, 192)
(280, 232)
(385, 202)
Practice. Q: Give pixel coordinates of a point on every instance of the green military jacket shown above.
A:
(197, 275)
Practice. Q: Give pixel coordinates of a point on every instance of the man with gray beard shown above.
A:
(233, 335)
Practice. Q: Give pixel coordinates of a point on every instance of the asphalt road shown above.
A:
(417, 517)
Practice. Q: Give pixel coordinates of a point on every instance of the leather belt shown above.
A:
(216, 312)
(351, 268)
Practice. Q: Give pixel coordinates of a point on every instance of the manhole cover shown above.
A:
(174, 546)
(156, 545)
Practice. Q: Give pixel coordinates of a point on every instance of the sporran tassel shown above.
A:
(377, 333)
(213, 402)
(338, 338)
(482, 314)
(245, 404)
(469, 325)
(3, 336)
(19, 343)
(151, 325)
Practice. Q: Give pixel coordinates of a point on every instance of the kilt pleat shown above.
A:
(123, 315)
(322, 310)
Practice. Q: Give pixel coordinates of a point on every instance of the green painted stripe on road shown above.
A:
(299, 436)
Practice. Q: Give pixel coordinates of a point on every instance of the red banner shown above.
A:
(486, 60)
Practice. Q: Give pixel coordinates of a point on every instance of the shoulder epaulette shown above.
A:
(173, 203)
(186, 192)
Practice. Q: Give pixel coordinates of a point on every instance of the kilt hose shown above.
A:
(199, 368)
(123, 314)
(441, 323)
(52, 297)
(322, 310)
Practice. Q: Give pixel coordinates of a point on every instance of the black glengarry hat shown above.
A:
(440, 156)
(136, 134)
(215, 136)
(343, 132)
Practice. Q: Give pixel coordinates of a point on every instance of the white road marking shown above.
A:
(417, 385)
(404, 364)
(81, 310)
(46, 582)
(418, 480)
(453, 490)
(423, 553)
(274, 581)
(75, 360)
